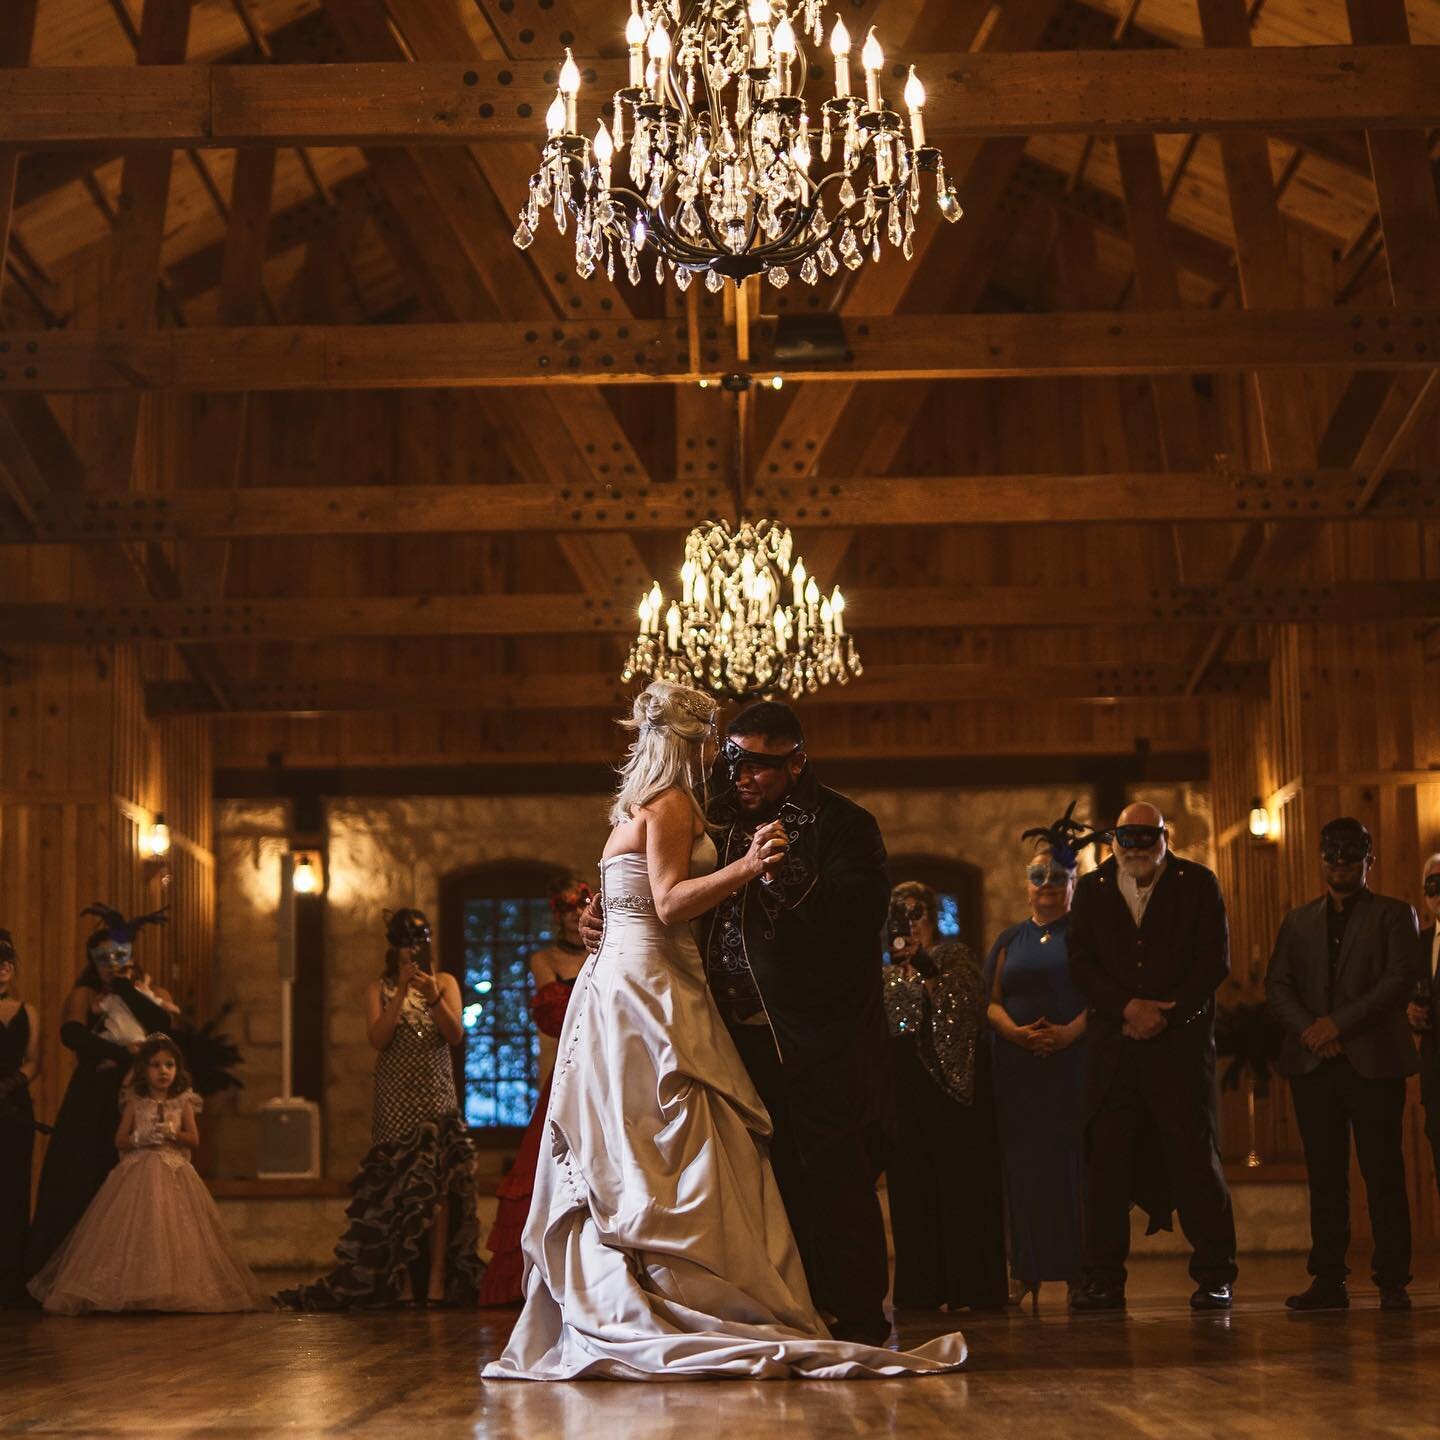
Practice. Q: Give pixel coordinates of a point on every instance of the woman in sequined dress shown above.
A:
(412, 1232)
(1038, 1018)
(554, 971)
(943, 1179)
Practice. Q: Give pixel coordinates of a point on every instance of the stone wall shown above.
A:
(387, 853)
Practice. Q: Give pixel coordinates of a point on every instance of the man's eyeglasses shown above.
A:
(1042, 875)
(1432, 885)
(1138, 837)
(1344, 852)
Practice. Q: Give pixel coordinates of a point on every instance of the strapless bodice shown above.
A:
(625, 882)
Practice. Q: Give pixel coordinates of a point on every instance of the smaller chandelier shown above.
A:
(722, 175)
(732, 632)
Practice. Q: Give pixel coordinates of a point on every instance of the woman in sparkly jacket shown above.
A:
(946, 1207)
(412, 1234)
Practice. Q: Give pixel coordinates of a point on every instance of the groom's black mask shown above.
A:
(734, 755)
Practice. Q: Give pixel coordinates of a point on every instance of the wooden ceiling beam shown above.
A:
(620, 352)
(303, 617)
(889, 684)
(981, 95)
(108, 516)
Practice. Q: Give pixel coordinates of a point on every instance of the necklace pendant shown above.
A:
(1044, 937)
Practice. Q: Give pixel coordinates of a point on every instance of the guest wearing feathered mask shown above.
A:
(105, 1021)
(1038, 1017)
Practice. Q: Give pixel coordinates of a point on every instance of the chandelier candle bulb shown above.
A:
(872, 58)
(604, 152)
(840, 49)
(760, 16)
(555, 115)
(635, 39)
(798, 577)
(915, 103)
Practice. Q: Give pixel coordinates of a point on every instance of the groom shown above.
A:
(794, 963)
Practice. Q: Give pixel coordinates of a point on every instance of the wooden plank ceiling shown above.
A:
(298, 414)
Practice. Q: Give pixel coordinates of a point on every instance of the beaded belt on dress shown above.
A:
(638, 904)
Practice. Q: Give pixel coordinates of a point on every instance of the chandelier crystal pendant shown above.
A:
(748, 621)
(721, 175)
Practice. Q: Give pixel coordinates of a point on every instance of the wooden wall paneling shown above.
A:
(15, 43)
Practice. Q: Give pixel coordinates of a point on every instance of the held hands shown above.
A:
(1145, 1019)
(427, 985)
(1418, 1016)
(1322, 1038)
(405, 977)
(767, 851)
(1045, 1039)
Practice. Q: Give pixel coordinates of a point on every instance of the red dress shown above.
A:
(501, 1282)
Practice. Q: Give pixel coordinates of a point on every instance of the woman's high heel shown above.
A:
(1033, 1291)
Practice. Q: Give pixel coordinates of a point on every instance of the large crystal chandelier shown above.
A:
(748, 621)
(721, 170)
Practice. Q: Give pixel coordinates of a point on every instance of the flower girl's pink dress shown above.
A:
(152, 1238)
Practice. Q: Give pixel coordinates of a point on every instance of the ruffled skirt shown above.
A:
(394, 1198)
(151, 1239)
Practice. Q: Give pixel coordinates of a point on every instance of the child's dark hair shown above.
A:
(156, 1045)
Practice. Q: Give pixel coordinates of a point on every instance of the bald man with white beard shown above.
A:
(1149, 945)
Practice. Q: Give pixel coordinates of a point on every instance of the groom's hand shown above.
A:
(592, 924)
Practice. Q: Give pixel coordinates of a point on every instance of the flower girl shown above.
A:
(152, 1238)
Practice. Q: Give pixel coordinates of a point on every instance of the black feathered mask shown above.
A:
(114, 929)
(1066, 837)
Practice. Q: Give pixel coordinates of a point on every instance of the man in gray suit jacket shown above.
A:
(1424, 1009)
(1343, 969)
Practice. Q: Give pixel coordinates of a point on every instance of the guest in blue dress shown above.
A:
(1038, 1017)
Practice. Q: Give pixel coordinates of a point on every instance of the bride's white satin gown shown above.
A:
(657, 1246)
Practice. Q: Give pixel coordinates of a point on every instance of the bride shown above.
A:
(657, 1246)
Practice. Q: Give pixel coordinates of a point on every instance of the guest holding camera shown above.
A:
(1423, 1011)
(1039, 1019)
(946, 1212)
(1341, 974)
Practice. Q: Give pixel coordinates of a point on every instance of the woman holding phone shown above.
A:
(412, 1233)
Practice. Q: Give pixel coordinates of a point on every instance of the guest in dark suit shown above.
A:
(1149, 944)
(1423, 1011)
(1343, 969)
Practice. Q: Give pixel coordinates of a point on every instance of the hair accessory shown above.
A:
(1066, 837)
(114, 926)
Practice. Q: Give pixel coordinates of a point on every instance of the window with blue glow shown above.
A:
(502, 1046)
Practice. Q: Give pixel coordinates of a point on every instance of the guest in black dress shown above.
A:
(412, 1234)
(82, 1150)
(946, 1206)
(19, 1064)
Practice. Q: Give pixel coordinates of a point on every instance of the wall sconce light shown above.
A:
(308, 874)
(1261, 825)
(155, 842)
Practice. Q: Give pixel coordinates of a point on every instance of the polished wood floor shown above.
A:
(1155, 1372)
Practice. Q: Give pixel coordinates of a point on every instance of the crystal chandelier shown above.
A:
(721, 170)
(732, 632)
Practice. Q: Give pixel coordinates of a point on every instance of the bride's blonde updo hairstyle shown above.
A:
(671, 724)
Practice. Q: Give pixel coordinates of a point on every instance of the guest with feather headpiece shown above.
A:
(1039, 1061)
(104, 1004)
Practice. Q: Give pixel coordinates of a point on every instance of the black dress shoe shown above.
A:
(1211, 1297)
(1322, 1295)
(862, 1332)
(1394, 1297)
(1099, 1297)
